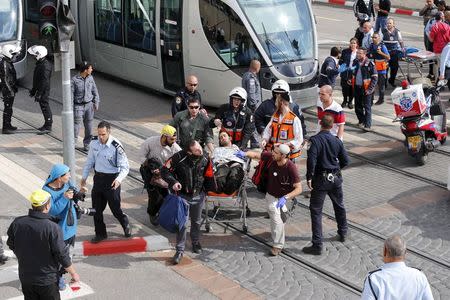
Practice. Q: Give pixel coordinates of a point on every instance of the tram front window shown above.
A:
(227, 34)
(284, 28)
(9, 9)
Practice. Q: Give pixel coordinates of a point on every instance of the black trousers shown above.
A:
(46, 112)
(102, 194)
(321, 188)
(363, 106)
(347, 92)
(393, 65)
(7, 111)
(155, 199)
(38, 292)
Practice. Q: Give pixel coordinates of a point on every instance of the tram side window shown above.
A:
(227, 34)
(108, 21)
(140, 25)
(32, 11)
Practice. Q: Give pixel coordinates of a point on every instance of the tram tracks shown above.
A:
(295, 258)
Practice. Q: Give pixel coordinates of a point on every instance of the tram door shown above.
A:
(171, 43)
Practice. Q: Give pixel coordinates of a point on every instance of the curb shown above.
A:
(136, 244)
(399, 11)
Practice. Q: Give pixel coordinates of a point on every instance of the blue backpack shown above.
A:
(173, 213)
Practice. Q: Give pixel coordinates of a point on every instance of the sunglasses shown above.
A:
(192, 84)
(194, 107)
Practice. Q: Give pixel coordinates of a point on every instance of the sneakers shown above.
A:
(275, 251)
(360, 125)
(98, 238)
(313, 250)
(350, 105)
(45, 129)
(197, 248)
(61, 284)
(367, 129)
(177, 258)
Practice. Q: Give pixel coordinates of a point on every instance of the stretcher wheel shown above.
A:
(244, 228)
(208, 228)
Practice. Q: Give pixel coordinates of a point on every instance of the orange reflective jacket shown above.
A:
(283, 132)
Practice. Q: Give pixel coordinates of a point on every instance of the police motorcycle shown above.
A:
(422, 117)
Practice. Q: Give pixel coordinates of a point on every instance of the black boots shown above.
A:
(8, 129)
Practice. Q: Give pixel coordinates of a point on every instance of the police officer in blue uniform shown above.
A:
(107, 156)
(326, 158)
(189, 91)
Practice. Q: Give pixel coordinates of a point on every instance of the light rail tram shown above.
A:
(11, 23)
(157, 43)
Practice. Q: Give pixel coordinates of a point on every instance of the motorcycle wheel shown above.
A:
(421, 158)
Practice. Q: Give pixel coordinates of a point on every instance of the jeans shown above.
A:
(276, 224)
(380, 23)
(195, 214)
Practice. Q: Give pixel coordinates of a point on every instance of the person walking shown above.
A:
(58, 185)
(427, 13)
(379, 54)
(348, 57)
(364, 7)
(8, 80)
(364, 79)
(330, 68)
(180, 103)
(186, 172)
(235, 118)
(250, 83)
(383, 8)
(392, 39)
(38, 244)
(191, 124)
(283, 184)
(110, 163)
(154, 152)
(394, 279)
(327, 106)
(86, 101)
(326, 158)
(41, 84)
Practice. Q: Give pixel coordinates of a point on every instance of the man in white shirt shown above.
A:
(394, 280)
(327, 106)
(367, 39)
(153, 154)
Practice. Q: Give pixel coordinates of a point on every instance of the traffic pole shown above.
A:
(67, 112)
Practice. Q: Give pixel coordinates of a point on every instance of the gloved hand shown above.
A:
(342, 68)
(352, 68)
(240, 154)
(281, 202)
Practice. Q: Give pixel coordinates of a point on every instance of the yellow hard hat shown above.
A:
(39, 197)
(168, 130)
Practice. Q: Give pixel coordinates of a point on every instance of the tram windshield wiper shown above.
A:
(268, 42)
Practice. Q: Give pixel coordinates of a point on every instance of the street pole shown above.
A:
(67, 113)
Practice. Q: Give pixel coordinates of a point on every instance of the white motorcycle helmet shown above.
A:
(38, 51)
(10, 50)
(280, 86)
(239, 92)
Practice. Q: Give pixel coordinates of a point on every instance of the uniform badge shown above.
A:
(283, 134)
(178, 100)
(229, 123)
(242, 113)
(275, 174)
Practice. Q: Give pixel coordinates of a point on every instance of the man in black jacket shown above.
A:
(8, 86)
(38, 244)
(330, 68)
(187, 173)
(41, 84)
